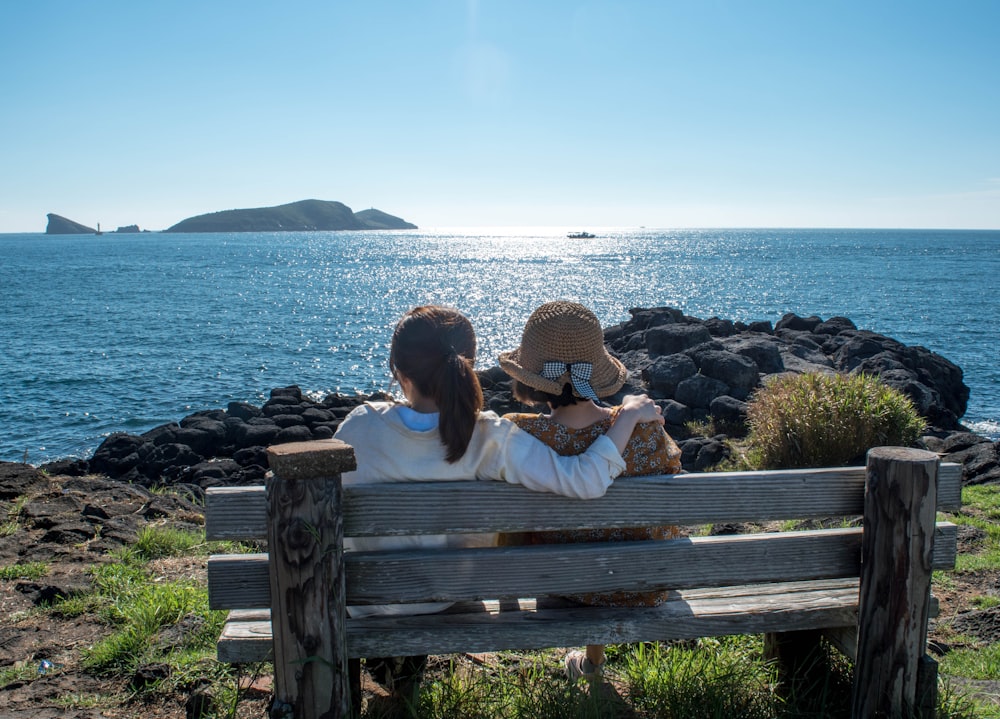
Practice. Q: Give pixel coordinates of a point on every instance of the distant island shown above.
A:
(305, 215)
(59, 225)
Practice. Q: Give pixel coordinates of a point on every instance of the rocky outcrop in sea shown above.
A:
(694, 368)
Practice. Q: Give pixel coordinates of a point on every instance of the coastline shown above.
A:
(70, 517)
(696, 369)
(110, 334)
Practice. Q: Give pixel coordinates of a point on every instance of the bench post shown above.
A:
(305, 534)
(894, 601)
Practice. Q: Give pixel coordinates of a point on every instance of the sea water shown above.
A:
(125, 332)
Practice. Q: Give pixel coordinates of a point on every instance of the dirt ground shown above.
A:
(56, 524)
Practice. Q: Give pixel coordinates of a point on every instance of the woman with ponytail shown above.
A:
(441, 433)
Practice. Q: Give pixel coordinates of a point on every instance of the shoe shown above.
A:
(579, 667)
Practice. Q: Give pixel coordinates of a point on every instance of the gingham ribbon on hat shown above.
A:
(579, 376)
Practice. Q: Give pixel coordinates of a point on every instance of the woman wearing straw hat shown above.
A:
(562, 362)
(441, 433)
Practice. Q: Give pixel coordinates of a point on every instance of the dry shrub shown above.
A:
(826, 420)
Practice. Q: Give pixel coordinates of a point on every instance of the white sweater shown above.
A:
(388, 451)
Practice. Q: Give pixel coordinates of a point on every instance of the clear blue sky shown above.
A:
(703, 113)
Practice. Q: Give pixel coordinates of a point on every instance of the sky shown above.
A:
(559, 113)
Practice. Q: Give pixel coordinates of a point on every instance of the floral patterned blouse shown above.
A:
(650, 450)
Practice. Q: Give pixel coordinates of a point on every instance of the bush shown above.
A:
(823, 420)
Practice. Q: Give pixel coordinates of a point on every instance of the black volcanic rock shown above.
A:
(59, 225)
(302, 216)
(694, 369)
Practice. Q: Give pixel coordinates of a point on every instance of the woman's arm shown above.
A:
(636, 409)
(520, 458)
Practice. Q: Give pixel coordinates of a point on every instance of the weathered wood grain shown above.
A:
(895, 581)
(306, 578)
(240, 581)
(247, 635)
(794, 584)
(745, 610)
(443, 507)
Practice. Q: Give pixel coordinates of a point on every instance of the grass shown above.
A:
(11, 510)
(705, 679)
(142, 610)
(974, 662)
(17, 672)
(972, 658)
(718, 677)
(711, 678)
(157, 541)
(826, 420)
(152, 621)
(139, 611)
(28, 570)
(86, 701)
(980, 509)
(712, 427)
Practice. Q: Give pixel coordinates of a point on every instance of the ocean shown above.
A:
(126, 332)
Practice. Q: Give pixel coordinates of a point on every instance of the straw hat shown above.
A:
(563, 342)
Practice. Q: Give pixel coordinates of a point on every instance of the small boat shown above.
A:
(98, 229)
(579, 235)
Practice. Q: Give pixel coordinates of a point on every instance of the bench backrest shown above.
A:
(240, 513)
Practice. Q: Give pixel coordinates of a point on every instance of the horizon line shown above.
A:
(553, 228)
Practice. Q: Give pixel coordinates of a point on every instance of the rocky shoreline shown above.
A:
(71, 518)
(694, 368)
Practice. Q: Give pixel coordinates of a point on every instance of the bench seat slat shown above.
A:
(751, 609)
(440, 507)
(241, 581)
(247, 633)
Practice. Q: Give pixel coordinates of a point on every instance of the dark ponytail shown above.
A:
(435, 348)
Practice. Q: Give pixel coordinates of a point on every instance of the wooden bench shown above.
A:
(867, 589)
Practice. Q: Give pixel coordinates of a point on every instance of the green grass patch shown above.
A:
(716, 678)
(11, 511)
(157, 542)
(941, 579)
(139, 609)
(986, 602)
(518, 686)
(986, 499)
(955, 704)
(28, 570)
(78, 700)
(161, 541)
(711, 678)
(981, 662)
(980, 509)
(18, 672)
(78, 605)
(712, 427)
(142, 611)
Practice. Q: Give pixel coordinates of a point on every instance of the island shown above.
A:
(304, 215)
(301, 216)
(59, 225)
